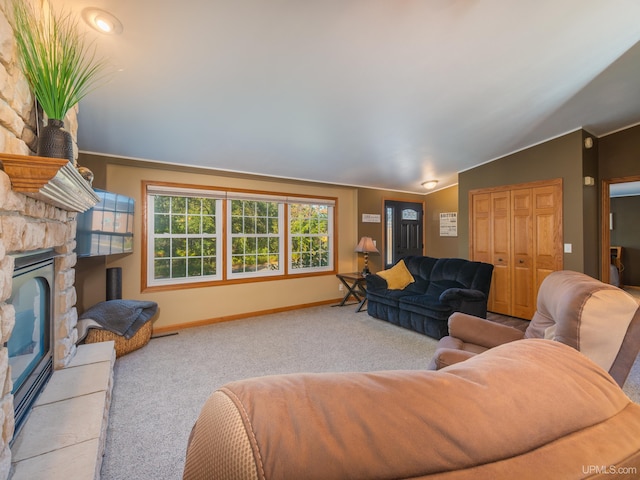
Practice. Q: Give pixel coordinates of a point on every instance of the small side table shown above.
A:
(356, 288)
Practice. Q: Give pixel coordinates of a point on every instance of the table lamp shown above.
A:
(366, 246)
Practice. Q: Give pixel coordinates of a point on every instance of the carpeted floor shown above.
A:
(160, 388)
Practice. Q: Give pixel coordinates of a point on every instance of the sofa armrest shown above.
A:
(376, 282)
(462, 294)
(448, 356)
(481, 332)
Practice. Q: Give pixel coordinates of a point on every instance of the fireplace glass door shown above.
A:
(29, 345)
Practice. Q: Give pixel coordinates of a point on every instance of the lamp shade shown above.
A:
(366, 246)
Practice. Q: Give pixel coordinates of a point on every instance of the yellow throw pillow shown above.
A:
(398, 276)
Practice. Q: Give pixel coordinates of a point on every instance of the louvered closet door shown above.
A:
(481, 228)
(481, 236)
(490, 240)
(522, 301)
(547, 213)
(501, 252)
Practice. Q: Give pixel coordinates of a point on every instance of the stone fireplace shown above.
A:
(41, 219)
(27, 224)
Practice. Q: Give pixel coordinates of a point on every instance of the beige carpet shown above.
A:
(159, 389)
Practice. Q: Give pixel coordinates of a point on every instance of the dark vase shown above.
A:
(55, 142)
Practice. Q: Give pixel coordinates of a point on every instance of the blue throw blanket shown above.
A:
(123, 317)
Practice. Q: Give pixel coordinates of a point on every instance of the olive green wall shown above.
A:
(442, 201)
(557, 158)
(619, 154)
(590, 208)
(371, 201)
(619, 157)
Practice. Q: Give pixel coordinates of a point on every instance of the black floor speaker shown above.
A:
(114, 283)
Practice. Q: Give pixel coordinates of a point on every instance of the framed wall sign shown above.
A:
(449, 224)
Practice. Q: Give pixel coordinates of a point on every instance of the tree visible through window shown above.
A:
(184, 237)
(261, 235)
(310, 233)
(255, 237)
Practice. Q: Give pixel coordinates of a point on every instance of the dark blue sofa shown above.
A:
(442, 286)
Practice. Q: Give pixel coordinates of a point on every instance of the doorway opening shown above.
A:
(620, 254)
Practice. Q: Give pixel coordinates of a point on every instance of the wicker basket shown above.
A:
(122, 345)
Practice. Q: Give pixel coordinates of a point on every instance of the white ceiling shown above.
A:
(384, 94)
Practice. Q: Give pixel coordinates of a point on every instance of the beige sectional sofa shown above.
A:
(597, 319)
(529, 409)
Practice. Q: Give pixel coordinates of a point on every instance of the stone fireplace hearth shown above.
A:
(31, 220)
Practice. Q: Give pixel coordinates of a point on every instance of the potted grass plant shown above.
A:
(60, 66)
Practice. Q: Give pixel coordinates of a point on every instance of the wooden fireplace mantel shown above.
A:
(52, 180)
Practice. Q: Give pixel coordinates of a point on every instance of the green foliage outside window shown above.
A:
(185, 236)
(183, 243)
(255, 242)
(309, 231)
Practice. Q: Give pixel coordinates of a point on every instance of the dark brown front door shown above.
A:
(403, 230)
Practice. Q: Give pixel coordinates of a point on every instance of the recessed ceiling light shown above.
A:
(430, 184)
(102, 21)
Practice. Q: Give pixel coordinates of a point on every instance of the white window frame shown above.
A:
(248, 197)
(159, 190)
(330, 224)
(224, 236)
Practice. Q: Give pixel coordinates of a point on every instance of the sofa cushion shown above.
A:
(426, 305)
(420, 267)
(437, 287)
(467, 274)
(388, 297)
(397, 277)
(419, 286)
